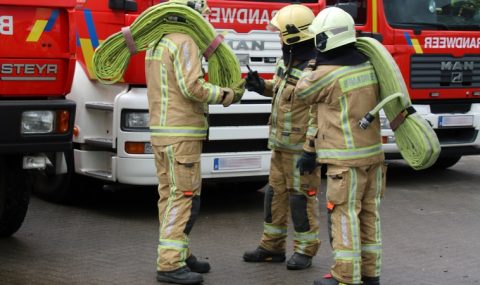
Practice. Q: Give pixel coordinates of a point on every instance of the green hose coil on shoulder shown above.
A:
(415, 138)
(111, 58)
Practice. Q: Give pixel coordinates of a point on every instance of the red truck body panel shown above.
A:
(37, 51)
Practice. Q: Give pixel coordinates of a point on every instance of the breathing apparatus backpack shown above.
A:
(414, 136)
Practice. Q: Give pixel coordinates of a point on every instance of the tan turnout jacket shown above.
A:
(343, 94)
(177, 91)
(290, 117)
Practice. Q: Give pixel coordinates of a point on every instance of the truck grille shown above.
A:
(444, 71)
(235, 145)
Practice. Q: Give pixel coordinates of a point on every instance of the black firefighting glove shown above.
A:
(253, 82)
(307, 162)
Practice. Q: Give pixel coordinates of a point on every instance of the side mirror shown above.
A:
(349, 7)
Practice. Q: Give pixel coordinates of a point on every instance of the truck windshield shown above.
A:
(434, 14)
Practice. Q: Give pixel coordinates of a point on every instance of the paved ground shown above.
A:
(431, 227)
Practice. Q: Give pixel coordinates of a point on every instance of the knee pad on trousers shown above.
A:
(193, 214)
(298, 207)
(268, 204)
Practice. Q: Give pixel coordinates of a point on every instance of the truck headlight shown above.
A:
(37, 122)
(135, 120)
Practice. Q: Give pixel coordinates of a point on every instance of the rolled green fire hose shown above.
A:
(111, 58)
(415, 138)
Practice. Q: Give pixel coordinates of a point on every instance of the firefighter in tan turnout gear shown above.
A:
(290, 189)
(344, 87)
(178, 97)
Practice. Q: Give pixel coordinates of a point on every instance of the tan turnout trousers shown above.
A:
(290, 192)
(353, 197)
(178, 169)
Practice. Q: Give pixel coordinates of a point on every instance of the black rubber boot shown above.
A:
(371, 280)
(299, 261)
(183, 275)
(326, 281)
(263, 255)
(196, 265)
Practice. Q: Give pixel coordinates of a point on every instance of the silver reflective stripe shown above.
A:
(354, 226)
(306, 236)
(173, 188)
(344, 154)
(274, 230)
(347, 254)
(372, 247)
(347, 131)
(164, 98)
(173, 244)
(178, 131)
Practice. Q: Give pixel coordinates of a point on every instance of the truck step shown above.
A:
(99, 142)
(102, 174)
(103, 106)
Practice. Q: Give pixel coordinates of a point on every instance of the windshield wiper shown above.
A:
(422, 24)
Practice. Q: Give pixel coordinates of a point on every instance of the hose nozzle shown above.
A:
(366, 121)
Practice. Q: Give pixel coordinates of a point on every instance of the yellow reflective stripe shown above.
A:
(378, 232)
(154, 53)
(274, 230)
(164, 94)
(358, 80)
(178, 131)
(376, 247)
(347, 254)
(343, 154)
(274, 143)
(354, 226)
(173, 244)
(330, 77)
(347, 131)
(173, 188)
(305, 237)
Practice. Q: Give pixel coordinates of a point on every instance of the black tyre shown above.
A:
(53, 187)
(444, 162)
(14, 195)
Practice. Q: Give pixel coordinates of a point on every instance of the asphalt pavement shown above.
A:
(430, 221)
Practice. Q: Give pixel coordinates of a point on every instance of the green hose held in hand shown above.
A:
(415, 138)
(111, 58)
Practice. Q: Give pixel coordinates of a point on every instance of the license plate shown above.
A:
(237, 163)
(455, 121)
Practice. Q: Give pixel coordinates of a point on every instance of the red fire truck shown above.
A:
(37, 61)
(435, 43)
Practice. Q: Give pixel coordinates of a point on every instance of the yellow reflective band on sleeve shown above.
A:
(344, 154)
(358, 80)
(177, 131)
